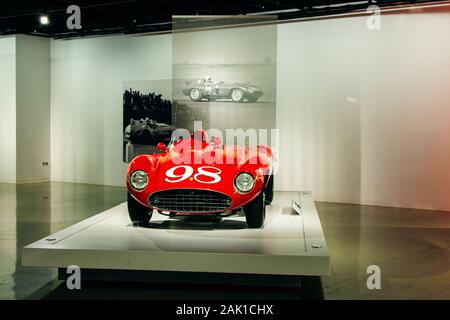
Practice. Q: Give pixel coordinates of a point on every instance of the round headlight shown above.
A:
(244, 182)
(139, 179)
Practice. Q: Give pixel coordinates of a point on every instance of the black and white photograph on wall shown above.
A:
(225, 70)
(147, 116)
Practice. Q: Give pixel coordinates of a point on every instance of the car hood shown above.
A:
(219, 167)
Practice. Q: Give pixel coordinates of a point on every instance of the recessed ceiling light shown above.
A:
(44, 20)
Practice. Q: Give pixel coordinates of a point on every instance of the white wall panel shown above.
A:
(8, 109)
(87, 78)
(32, 108)
(364, 115)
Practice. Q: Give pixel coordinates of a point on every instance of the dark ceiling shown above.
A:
(100, 17)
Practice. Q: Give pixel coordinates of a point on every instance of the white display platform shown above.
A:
(289, 244)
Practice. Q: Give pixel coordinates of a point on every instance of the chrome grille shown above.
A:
(190, 200)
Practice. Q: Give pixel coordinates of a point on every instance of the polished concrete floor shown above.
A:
(411, 247)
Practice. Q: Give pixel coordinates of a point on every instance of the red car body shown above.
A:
(195, 164)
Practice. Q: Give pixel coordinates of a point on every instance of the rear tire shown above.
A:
(255, 211)
(269, 190)
(139, 214)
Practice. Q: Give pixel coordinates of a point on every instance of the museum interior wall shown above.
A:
(364, 113)
(87, 78)
(361, 119)
(8, 109)
(25, 108)
(33, 108)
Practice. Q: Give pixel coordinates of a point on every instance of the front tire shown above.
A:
(255, 211)
(237, 95)
(252, 99)
(269, 190)
(195, 94)
(139, 214)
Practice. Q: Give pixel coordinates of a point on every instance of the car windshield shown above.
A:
(199, 135)
(174, 139)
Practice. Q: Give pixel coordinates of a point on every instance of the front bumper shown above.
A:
(190, 201)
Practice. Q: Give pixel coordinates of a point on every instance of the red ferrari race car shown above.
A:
(198, 176)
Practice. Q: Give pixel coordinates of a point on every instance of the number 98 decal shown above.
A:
(204, 174)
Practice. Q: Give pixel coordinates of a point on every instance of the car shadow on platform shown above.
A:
(196, 223)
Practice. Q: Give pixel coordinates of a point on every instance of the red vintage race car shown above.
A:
(198, 176)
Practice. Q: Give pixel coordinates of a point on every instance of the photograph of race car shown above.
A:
(177, 182)
(147, 117)
(206, 89)
(148, 131)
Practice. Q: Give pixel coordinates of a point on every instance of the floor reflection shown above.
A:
(29, 212)
(33, 221)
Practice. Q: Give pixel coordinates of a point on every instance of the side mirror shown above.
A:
(161, 146)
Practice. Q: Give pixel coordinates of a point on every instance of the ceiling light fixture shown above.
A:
(44, 20)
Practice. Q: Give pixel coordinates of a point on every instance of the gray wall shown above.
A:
(87, 78)
(364, 114)
(33, 108)
(25, 108)
(8, 109)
